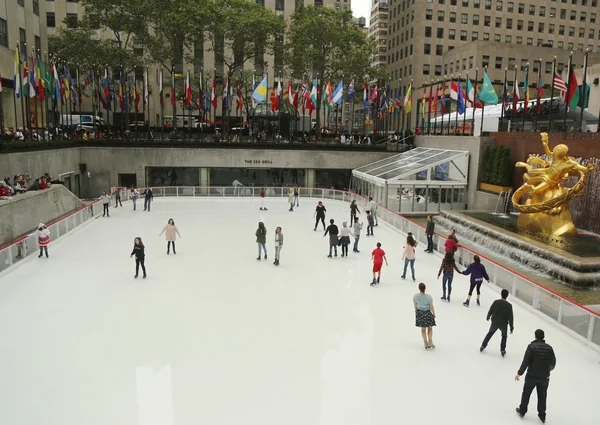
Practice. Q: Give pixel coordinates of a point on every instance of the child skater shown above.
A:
(105, 203)
(118, 197)
(134, 195)
(278, 244)
(261, 239)
(43, 238)
(171, 232)
(138, 251)
(345, 239)
(262, 199)
(378, 257)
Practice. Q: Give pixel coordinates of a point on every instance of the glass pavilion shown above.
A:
(419, 180)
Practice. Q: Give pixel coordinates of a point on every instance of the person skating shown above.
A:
(105, 203)
(373, 206)
(320, 214)
(354, 211)
(424, 315)
(43, 239)
(370, 223)
(378, 257)
(356, 228)
(447, 268)
(333, 231)
(478, 273)
(429, 232)
(291, 199)
(261, 239)
(345, 239)
(451, 244)
(117, 197)
(409, 256)
(148, 196)
(140, 257)
(171, 232)
(134, 195)
(539, 361)
(501, 313)
(278, 245)
(296, 196)
(262, 195)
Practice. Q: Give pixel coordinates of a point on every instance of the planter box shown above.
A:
(493, 188)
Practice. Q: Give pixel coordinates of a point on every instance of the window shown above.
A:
(429, 14)
(561, 44)
(3, 33)
(279, 6)
(475, 19)
(487, 20)
(476, 3)
(529, 41)
(486, 36)
(551, 29)
(438, 70)
(563, 13)
(38, 44)
(591, 34)
(561, 30)
(50, 20)
(474, 35)
(21, 3)
(499, 5)
(485, 61)
(427, 31)
(542, 11)
(452, 16)
(488, 4)
(536, 66)
(440, 33)
(592, 18)
(530, 26)
(427, 48)
(426, 69)
(71, 20)
(540, 42)
(512, 63)
(582, 17)
(498, 22)
(521, 8)
(524, 64)
(532, 10)
(571, 31)
(463, 35)
(470, 62)
(464, 64)
(445, 69)
(452, 34)
(541, 27)
(22, 40)
(497, 37)
(464, 18)
(511, 7)
(519, 39)
(570, 46)
(439, 49)
(508, 38)
(520, 25)
(498, 62)
(573, 15)
(553, 12)
(509, 23)
(580, 47)
(441, 15)
(36, 7)
(548, 69)
(581, 32)
(465, 3)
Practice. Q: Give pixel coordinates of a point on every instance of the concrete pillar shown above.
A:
(204, 180)
(385, 195)
(310, 177)
(140, 177)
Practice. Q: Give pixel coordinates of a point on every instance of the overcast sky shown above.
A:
(361, 8)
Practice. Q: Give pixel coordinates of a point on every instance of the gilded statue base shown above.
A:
(560, 225)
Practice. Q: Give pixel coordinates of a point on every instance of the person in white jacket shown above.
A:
(105, 203)
(373, 208)
(134, 195)
(171, 232)
(291, 199)
(43, 239)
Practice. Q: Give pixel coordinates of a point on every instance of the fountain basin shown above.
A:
(574, 261)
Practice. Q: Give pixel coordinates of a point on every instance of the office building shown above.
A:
(378, 31)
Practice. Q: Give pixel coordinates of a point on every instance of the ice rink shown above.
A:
(215, 337)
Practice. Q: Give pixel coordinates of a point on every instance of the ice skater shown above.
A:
(501, 313)
(171, 232)
(378, 257)
(345, 239)
(539, 361)
(447, 268)
(333, 231)
(291, 199)
(373, 206)
(354, 211)
(43, 239)
(262, 195)
(278, 244)
(118, 197)
(478, 273)
(429, 231)
(409, 256)
(425, 315)
(370, 223)
(148, 197)
(320, 214)
(296, 196)
(105, 197)
(357, 227)
(451, 244)
(261, 239)
(133, 195)
(138, 251)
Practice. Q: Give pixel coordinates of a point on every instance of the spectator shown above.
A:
(19, 136)
(48, 178)
(20, 185)
(3, 190)
(44, 184)
(35, 185)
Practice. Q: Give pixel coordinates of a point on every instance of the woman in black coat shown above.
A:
(138, 251)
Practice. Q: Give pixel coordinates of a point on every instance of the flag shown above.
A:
(488, 94)
(260, 92)
(443, 101)
(560, 85)
(121, 104)
(540, 90)
(373, 95)
(573, 95)
(429, 104)
(146, 86)
(254, 103)
(106, 85)
(351, 91)
(365, 97)
(398, 102)
(311, 100)
(160, 86)
(173, 89)
(460, 106)
(453, 90)
(526, 91)
(16, 82)
(239, 100)
(57, 84)
(435, 100)
(327, 96)
(40, 81)
(408, 100)
(506, 94)
(423, 102)
(338, 94)
(272, 98)
(516, 96)
(213, 93)
(290, 92)
(226, 99)
(188, 89)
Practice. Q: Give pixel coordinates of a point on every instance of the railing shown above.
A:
(582, 321)
(20, 249)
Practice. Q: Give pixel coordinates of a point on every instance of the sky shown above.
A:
(361, 8)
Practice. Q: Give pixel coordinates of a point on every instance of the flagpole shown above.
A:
(582, 89)
(399, 99)
(482, 106)
(443, 107)
(552, 94)
(40, 80)
(538, 96)
(93, 101)
(403, 112)
(459, 92)
(526, 93)
(23, 116)
(474, 103)
(514, 109)
(15, 89)
(502, 112)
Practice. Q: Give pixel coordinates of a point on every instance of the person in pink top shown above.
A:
(378, 257)
(409, 256)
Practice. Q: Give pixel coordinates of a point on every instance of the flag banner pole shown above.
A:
(475, 85)
(552, 94)
(458, 93)
(443, 96)
(465, 111)
(93, 101)
(79, 97)
(429, 108)
(450, 103)
(526, 94)
(42, 101)
(23, 117)
(582, 89)
(482, 106)
(538, 96)
(17, 65)
(568, 91)
(502, 112)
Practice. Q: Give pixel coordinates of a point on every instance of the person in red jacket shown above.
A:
(262, 199)
(451, 244)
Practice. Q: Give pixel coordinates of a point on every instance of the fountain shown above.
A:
(540, 235)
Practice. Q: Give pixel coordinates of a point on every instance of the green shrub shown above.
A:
(497, 166)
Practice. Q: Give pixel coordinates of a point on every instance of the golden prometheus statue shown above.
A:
(546, 210)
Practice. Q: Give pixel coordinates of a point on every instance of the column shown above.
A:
(204, 181)
(310, 177)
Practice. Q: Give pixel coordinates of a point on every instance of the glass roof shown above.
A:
(404, 166)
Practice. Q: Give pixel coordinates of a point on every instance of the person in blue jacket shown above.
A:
(478, 273)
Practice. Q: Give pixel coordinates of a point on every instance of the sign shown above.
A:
(258, 161)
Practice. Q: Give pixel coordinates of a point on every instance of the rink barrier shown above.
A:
(583, 322)
(18, 250)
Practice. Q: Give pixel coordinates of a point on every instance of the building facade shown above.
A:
(378, 31)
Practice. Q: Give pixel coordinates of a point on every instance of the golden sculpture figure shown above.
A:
(547, 210)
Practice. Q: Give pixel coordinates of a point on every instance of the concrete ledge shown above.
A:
(21, 214)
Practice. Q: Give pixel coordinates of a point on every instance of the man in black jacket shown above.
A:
(429, 231)
(539, 360)
(501, 313)
(148, 196)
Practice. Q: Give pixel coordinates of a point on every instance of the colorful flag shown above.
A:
(226, 98)
(173, 90)
(435, 100)
(560, 85)
(188, 89)
(488, 94)
(260, 92)
(351, 91)
(313, 97)
(526, 91)
(40, 81)
(573, 94)
(57, 84)
(146, 86)
(365, 97)
(429, 104)
(460, 106)
(239, 100)
(213, 94)
(516, 95)
(16, 82)
(408, 100)
(506, 94)
(373, 95)
(423, 102)
(290, 92)
(160, 86)
(121, 90)
(443, 96)
(338, 94)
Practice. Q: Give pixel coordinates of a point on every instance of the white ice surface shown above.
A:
(215, 337)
